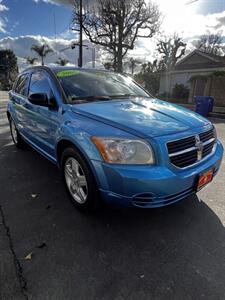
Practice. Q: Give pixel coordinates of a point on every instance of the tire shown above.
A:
(79, 180)
(16, 137)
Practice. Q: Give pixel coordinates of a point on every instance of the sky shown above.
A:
(29, 17)
(25, 22)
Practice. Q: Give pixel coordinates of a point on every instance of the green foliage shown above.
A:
(149, 77)
(150, 81)
(180, 91)
(202, 77)
(8, 69)
(219, 73)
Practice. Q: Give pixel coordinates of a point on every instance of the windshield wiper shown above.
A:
(89, 98)
(122, 96)
(80, 99)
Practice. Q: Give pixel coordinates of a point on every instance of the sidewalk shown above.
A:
(4, 96)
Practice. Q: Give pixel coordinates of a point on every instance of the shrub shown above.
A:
(219, 73)
(180, 91)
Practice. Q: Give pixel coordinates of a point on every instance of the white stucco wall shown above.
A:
(168, 81)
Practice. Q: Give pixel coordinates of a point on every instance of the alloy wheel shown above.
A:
(76, 180)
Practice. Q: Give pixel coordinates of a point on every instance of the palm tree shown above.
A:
(42, 51)
(31, 60)
(133, 64)
(62, 61)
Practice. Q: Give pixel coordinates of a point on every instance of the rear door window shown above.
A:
(22, 84)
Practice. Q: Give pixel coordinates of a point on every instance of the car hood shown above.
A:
(142, 116)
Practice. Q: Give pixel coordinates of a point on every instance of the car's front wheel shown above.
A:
(16, 137)
(79, 180)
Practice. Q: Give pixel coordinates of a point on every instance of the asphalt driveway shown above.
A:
(172, 253)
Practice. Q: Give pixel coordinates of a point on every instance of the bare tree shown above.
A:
(171, 49)
(116, 24)
(210, 43)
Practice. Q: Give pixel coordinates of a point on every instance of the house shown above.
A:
(201, 73)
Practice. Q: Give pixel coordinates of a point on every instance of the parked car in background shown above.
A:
(111, 139)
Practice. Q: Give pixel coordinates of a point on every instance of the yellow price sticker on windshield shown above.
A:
(66, 73)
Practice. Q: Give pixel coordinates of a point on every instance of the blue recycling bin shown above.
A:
(204, 105)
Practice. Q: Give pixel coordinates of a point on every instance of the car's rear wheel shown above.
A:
(79, 181)
(16, 137)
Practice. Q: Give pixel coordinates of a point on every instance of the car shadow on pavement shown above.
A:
(176, 252)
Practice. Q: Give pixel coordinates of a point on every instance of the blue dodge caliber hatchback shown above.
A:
(111, 139)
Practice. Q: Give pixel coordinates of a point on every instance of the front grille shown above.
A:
(205, 136)
(188, 151)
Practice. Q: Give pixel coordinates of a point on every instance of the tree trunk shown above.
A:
(120, 47)
(42, 61)
(132, 69)
(119, 60)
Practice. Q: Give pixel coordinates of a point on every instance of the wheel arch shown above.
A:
(66, 143)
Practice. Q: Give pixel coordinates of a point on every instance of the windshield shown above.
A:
(98, 85)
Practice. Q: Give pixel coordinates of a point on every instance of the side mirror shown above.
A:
(40, 99)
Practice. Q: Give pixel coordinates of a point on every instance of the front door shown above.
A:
(43, 121)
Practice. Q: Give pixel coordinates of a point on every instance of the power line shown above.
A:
(191, 1)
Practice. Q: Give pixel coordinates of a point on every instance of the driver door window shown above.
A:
(40, 84)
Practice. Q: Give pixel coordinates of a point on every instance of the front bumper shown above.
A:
(151, 186)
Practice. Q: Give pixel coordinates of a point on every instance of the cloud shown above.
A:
(58, 2)
(21, 47)
(3, 20)
(3, 7)
(69, 3)
(184, 19)
(178, 18)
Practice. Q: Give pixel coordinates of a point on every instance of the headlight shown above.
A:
(124, 151)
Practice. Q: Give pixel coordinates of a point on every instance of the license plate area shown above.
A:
(204, 179)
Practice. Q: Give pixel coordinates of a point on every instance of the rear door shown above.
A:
(18, 97)
(44, 121)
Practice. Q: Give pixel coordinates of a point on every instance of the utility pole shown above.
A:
(80, 62)
(93, 57)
